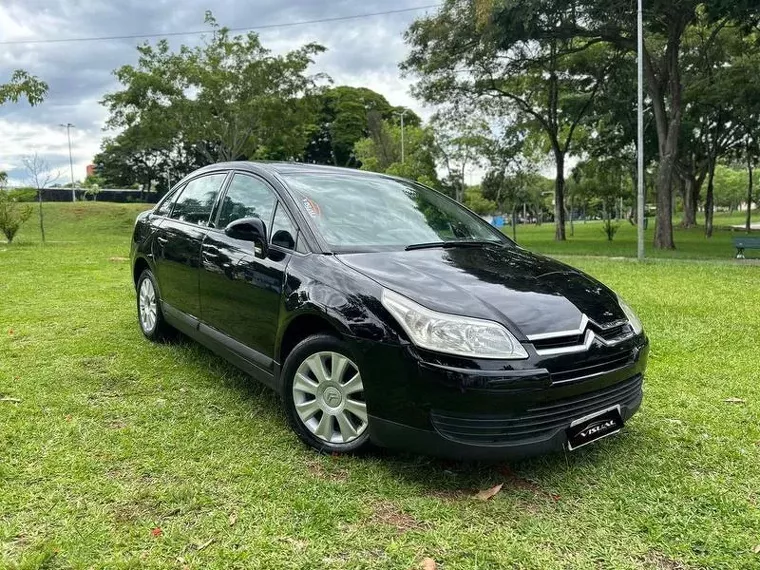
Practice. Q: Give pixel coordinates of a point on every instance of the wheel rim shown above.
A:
(147, 305)
(328, 395)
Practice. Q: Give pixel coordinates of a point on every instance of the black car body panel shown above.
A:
(251, 309)
(528, 293)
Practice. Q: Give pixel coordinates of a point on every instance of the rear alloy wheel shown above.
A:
(149, 314)
(325, 396)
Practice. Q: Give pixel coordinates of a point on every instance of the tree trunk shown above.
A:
(690, 194)
(710, 199)
(514, 224)
(663, 232)
(750, 192)
(572, 229)
(559, 197)
(42, 217)
(668, 124)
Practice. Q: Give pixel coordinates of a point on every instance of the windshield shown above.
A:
(368, 213)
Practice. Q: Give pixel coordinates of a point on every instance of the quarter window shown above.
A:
(246, 197)
(283, 231)
(165, 208)
(196, 201)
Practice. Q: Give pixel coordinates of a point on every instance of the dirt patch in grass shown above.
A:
(117, 424)
(389, 514)
(449, 494)
(658, 561)
(327, 472)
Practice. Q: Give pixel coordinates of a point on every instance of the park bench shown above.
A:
(742, 243)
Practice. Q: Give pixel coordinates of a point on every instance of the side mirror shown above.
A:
(250, 229)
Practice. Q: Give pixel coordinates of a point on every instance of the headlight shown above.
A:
(452, 334)
(632, 318)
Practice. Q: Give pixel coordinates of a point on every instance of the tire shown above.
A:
(327, 412)
(149, 316)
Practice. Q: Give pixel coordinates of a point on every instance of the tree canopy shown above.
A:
(22, 85)
(230, 97)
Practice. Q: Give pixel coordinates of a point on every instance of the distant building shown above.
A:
(90, 170)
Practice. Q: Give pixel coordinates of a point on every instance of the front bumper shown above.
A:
(464, 409)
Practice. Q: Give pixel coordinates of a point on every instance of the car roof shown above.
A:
(285, 168)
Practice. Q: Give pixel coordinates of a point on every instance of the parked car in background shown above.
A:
(384, 312)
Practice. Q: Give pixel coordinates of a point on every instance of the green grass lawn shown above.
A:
(124, 454)
(590, 240)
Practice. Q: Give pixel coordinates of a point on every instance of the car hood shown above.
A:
(528, 293)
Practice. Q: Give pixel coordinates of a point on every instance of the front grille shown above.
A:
(536, 423)
(594, 368)
(559, 342)
(609, 336)
(614, 333)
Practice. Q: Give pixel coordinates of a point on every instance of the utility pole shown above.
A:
(641, 194)
(401, 114)
(68, 127)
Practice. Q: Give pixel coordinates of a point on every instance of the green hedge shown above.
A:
(23, 194)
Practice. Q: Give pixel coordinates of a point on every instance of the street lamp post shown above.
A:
(401, 115)
(641, 194)
(68, 127)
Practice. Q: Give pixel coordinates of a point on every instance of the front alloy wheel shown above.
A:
(325, 396)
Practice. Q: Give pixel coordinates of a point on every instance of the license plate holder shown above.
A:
(594, 427)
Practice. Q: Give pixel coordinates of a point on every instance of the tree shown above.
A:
(746, 110)
(230, 98)
(475, 201)
(12, 214)
(39, 175)
(92, 190)
(381, 151)
(492, 50)
(23, 85)
(342, 119)
(511, 172)
(603, 180)
(461, 141)
(750, 153)
(710, 94)
(613, 22)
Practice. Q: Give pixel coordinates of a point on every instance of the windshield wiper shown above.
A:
(450, 244)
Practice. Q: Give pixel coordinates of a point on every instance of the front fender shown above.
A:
(346, 300)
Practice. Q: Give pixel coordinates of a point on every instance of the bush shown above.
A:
(12, 215)
(23, 195)
(610, 229)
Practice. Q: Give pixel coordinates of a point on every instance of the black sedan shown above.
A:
(384, 312)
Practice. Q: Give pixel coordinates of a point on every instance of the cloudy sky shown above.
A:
(361, 52)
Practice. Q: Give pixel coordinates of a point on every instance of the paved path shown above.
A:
(650, 260)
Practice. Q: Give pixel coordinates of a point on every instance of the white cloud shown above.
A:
(362, 52)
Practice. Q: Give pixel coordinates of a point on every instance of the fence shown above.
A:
(119, 195)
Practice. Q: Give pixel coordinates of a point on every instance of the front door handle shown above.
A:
(162, 240)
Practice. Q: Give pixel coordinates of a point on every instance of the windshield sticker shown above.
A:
(311, 208)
